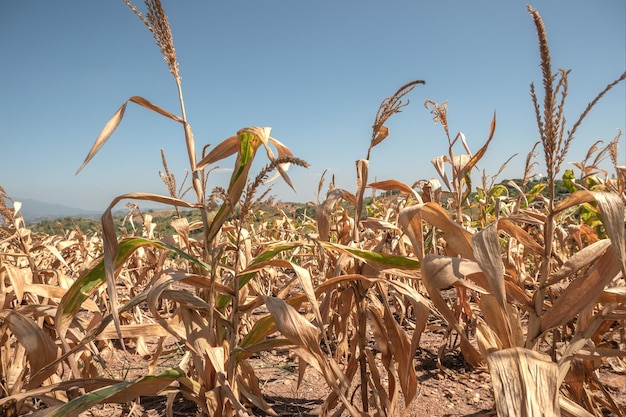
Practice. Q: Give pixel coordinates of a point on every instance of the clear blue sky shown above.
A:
(314, 71)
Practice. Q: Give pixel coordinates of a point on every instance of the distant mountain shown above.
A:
(34, 210)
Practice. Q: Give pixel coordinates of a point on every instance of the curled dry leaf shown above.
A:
(394, 185)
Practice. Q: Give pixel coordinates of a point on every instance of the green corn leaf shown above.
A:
(120, 392)
(249, 142)
(267, 255)
(383, 259)
(87, 284)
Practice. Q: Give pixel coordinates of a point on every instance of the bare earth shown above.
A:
(459, 391)
(462, 391)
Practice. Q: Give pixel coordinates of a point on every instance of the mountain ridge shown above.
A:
(34, 210)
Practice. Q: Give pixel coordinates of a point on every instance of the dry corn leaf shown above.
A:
(498, 323)
(614, 295)
(202, 281)
(57, 293)
(249, 386)
(481, 152)
(570, 408)
(583, 291)
(393, 185)
(524, 383)
(323, 211)
(384, 343)
(441, 272)
(281, 169)
(16, 278)
(40, 349)
(160, 290)
(460, 165)
(458, 239)
(115, 120)
(224, 149)
(139, 330)
(301, 332)
(521, 235)
(422, 308)
(579, 260)
(291, 324)
(400, 346)
(57, 254)
(577, 198)
(439, 162)
(304, 278)
(378, 224)
(381, 133)
(486, 245)
(612, 208)
(217, 357)
(388, 402)
(487, 339)
(362, 170)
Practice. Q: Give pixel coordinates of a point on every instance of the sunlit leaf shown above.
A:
(115, 120)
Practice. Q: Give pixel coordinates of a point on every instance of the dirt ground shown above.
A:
(461, 392)
(458, 390)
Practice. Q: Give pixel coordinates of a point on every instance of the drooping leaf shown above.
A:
(40, 349)
(440, 272)
(85, 286)
(382, 259)
(487, 252)
(120, 392)
(394, 185)
(115, 120)
(458, 239)
(582, 291)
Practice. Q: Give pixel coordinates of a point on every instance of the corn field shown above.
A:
(529, 286)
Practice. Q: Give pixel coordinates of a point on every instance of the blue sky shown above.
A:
(315, 72)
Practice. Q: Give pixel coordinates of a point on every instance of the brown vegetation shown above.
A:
(532, 293)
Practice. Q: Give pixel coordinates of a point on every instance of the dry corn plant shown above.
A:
(366, 291)
(35, 272)
(546, 317)
(459, 183)
(540, 294)
(135, 291)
